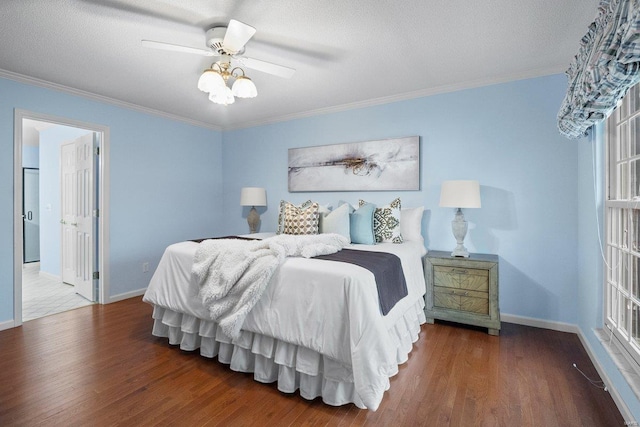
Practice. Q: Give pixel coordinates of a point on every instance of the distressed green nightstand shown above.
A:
(463, 290)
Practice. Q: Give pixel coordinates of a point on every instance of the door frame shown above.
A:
(103, 204)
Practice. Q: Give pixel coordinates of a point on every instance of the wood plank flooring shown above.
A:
(100, 366)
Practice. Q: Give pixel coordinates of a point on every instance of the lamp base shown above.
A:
(459, 227)
(460, 252)
(253, 219)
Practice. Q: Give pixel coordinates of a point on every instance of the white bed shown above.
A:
(317, 328)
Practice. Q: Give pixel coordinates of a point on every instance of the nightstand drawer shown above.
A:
(472, 279)
(459, 299)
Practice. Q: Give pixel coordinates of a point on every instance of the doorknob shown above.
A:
(62, 221)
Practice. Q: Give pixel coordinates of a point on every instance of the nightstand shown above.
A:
(463, 290)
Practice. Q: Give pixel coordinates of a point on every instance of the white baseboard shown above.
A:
(8, 324)
(126, 295)
(539, 323)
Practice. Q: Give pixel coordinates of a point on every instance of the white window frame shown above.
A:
(622, 225)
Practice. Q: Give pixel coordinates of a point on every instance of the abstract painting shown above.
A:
(384, 165)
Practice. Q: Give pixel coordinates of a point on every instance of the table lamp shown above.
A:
(253, 196)
(460, 194)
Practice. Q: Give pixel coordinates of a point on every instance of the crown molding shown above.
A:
(21, 78)
(401, 97)
(295, 116)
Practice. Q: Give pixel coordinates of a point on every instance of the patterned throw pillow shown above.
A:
(298, 220)
(283, 203)
(386, 222)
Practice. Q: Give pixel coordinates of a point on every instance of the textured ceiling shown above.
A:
(346, 53)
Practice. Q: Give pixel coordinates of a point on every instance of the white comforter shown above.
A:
(330, 307)
(232, 274)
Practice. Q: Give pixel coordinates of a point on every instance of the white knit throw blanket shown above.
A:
(232, 274)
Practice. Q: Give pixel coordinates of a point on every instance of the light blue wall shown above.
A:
(591, 191)
(30, 156)
(165, 186)
(504, 136)
(50, 210)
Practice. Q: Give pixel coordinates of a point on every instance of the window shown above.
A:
(622, 218)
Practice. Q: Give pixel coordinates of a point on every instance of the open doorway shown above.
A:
(39, 286)
(30, 212)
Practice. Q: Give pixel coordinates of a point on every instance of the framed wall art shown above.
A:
(383, 165)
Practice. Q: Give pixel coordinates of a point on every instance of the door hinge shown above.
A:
(96, 213)
(96, 275)
(97, 151)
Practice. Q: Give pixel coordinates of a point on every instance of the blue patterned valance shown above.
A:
(606, 66)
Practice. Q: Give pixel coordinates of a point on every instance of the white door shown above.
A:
(78, 204)
(68, 221)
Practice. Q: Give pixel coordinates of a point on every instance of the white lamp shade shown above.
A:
(222, 96)
(243, 87)
(460, 194)
(253, 196)
(210, 81)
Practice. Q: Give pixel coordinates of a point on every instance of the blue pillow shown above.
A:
(361, 225)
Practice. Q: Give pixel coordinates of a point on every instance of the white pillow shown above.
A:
(336, 221)
(411, 224)
(322, 211)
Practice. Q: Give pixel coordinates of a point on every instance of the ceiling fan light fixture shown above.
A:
(227, 43)
(210, 81)
(214, 80)
(243, 87)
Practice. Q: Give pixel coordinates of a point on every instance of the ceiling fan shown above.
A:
(227, 43)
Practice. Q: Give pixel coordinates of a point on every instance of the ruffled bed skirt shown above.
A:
(293, 367)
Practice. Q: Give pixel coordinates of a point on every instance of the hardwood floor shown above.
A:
(99, 365)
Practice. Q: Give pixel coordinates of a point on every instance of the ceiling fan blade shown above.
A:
(266, 67)
(175, 47)
(237, 35)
